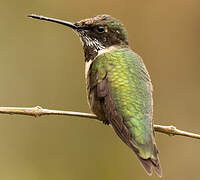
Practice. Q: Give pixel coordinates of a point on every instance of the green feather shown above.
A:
(131, 91)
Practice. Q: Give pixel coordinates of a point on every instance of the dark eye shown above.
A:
(100, 29)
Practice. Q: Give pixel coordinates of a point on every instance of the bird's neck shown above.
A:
(88, 62)
(91, 52)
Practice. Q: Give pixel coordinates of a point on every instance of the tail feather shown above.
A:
(149, 163)
(157, 167)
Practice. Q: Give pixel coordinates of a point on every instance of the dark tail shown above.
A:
(149, 163)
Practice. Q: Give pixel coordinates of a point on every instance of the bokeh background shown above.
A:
(42, 64)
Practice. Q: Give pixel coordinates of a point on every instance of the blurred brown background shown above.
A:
(42, 64)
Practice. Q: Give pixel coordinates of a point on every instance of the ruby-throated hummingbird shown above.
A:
(118, 85)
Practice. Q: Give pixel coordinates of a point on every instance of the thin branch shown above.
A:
(171, 131)
(39, 111)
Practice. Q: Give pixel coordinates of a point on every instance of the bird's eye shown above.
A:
(100, 29)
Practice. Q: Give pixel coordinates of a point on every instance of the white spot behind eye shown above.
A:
(106, 29)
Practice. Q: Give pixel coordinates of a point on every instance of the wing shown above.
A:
(119, 83)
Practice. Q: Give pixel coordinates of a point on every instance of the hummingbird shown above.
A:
(119, 87)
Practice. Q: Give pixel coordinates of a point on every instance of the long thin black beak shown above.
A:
(66, 23)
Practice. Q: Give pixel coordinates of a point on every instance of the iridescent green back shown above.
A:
(131, 91)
